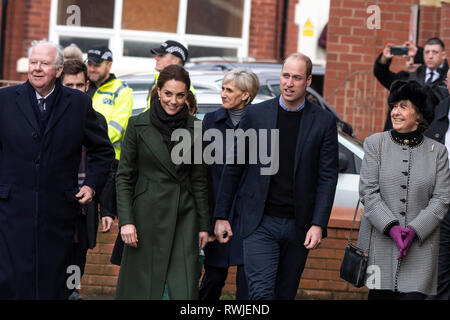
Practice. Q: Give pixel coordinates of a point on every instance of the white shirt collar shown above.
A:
(38, 96)
(429, 71)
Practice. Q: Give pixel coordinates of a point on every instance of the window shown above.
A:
(138, 48)
(91, 13)
(130, 28)
(150, 15)
(198, 51)
(347, 163)
(83, 43)
(215, 17)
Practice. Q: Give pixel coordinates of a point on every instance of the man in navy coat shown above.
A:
(43, 126)
(284, 214)
(440, 131)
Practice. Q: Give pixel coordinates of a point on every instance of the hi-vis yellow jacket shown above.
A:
(114, 101)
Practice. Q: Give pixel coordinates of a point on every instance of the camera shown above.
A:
(399, 50)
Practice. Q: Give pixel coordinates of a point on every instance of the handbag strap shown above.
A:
(353, 222)
(353, 226)
(357, 207)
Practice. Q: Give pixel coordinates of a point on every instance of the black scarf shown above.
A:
(410, 139)
(166, 123)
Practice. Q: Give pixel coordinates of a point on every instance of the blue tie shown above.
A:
(41, 104)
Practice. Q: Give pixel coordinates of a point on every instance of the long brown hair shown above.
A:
(191, 102)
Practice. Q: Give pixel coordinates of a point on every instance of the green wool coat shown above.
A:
(168, 204)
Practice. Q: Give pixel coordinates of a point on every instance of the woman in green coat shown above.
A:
(162, 206)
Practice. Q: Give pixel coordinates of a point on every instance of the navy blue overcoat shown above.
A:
(38, 183)
(221, 255)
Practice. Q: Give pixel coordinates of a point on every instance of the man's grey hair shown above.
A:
(59, 59)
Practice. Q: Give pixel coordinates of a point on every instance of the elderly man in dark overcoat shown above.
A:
(43, 126)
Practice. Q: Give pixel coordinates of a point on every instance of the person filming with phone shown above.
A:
(432, 72)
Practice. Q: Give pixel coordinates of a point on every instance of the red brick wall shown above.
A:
(14, 33)
(320, 278)
(351, 51)
(100, 276)
(27, 20)
(445, 26)
(37, 20)
(265, 29)
(292, 29)
(429, 23)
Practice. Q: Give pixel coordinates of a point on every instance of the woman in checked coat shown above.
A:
(405, 189)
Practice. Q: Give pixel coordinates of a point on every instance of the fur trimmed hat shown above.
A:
(421, 96)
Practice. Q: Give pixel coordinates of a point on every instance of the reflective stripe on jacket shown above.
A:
(115, 102)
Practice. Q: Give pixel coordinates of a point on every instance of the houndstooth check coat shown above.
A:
(410, 185)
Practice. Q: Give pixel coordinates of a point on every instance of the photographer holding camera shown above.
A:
(431, 69)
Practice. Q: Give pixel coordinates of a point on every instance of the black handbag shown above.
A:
(354, 263)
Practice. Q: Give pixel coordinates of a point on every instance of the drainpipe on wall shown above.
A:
(2, 36)
(283, 29)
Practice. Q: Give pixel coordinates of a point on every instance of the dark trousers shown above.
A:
(116, 256)
(108, 204)
(391, 295)
(274, 259)
(79, 254)
(213, 282)
(443, 292)
(78, 258)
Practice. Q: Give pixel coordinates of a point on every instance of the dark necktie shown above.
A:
(41, 104)
(430, 78)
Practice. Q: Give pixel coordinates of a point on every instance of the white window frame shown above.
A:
(116, 36)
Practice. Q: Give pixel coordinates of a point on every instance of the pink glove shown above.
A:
(408, 239)
(396, 235)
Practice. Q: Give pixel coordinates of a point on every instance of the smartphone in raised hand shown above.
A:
(399, 50)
